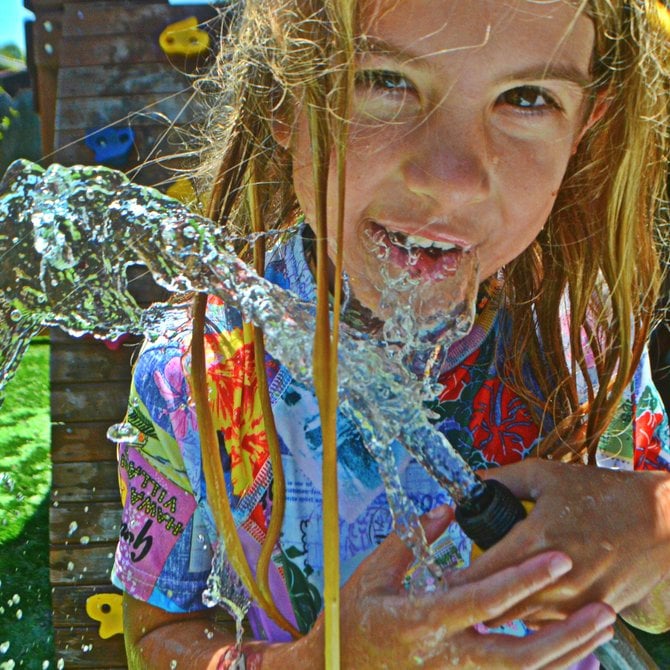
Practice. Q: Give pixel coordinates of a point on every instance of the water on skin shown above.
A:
(67, 236)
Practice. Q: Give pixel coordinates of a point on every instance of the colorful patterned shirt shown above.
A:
(168, 534)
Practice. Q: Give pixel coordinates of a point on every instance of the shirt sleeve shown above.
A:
(638, 438)
(163, 556)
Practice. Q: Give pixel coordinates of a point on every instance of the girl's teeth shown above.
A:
(424, 243)
(409, 242)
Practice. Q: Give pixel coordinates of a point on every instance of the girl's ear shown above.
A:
(598, 110)
(281, 130)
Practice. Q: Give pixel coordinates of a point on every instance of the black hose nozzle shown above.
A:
(489, 515)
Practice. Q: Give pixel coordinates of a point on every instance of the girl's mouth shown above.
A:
(420, 257)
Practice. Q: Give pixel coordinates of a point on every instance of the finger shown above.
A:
(397, 556)
(581, 652)
(564, 643)
(494, 596)
(520, 478)
(559, 645)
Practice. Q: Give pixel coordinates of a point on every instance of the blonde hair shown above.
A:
(600, 250)
(599, 253)
(600, 247)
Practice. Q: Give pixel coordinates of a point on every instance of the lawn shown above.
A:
(25, 476)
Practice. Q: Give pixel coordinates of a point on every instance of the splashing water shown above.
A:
(67, 236)
(224, 587)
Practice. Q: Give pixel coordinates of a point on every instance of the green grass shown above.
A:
(25, 478)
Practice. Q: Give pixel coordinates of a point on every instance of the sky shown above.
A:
(12, 16)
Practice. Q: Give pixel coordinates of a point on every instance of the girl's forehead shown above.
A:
(446, 17)
(443, 27)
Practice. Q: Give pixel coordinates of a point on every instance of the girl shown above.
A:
(530, 131)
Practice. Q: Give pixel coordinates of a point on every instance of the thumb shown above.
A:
(520, 478)
(397, 555)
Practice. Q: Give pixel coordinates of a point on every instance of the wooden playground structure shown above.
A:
(113, 85)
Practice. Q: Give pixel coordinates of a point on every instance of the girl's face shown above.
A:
(463, 121)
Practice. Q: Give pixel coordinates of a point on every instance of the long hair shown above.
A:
(597, 259)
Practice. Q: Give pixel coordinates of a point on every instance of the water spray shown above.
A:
(67, 236)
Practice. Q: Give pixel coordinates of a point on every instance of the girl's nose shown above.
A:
(448, 163)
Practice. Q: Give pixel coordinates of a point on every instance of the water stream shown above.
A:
(67, 236)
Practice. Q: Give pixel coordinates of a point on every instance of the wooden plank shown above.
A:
(105, 18)
(90, 564)
(135, 47)
(113, 80)
(46, 35)
(69, 603)
(159, 155)
(89, 401)
(84, 522)
(88, 360)
(84, 482)
(81, 442)
(138, 110)
(59, 336)
(84, 648)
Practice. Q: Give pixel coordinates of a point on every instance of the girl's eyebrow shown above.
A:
(369, 44)
(375, 45)
(553, 71)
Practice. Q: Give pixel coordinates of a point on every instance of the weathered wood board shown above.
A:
(98, 63)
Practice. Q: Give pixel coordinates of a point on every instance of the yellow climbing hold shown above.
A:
(106, 608)
(183, 191)
(184, 38)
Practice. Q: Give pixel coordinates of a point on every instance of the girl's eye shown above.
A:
(382, 80)
(529, 98)
(385, 95)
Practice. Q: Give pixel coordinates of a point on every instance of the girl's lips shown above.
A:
(421, 257)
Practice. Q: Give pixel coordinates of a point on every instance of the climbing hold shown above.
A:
(106, 608)
(184, 38)
(111, 145)
(183, 191)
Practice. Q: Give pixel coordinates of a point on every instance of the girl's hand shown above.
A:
(381, 627)
(614, 525)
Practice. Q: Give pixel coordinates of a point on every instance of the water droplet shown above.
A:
(45, 665)
(70, 566)
(72, 529)
(48, 26)
(60, 664)
(15, 315)
(173, 664)
(123, 432)
(4, 647)
(19, 614)
(48, 48)
(85, 539)
(16, 599)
